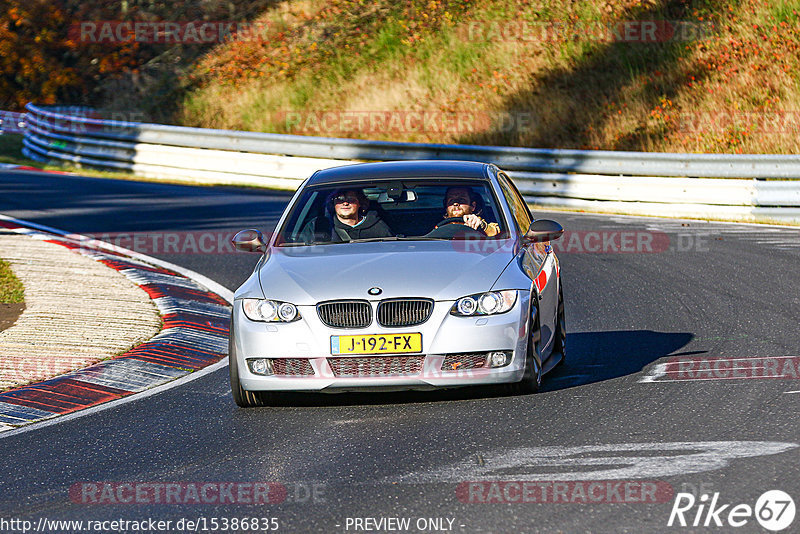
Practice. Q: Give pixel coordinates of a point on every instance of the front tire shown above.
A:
(532, 378)
(243, 398)
(560, 341)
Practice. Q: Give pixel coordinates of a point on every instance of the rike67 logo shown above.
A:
(774, 510)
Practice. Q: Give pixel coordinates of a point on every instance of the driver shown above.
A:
(462, 202)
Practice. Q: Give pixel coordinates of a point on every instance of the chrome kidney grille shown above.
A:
(404, 312)
(345, 313)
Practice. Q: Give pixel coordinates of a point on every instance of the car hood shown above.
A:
(433, 269)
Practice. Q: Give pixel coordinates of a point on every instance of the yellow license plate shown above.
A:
(376, 344)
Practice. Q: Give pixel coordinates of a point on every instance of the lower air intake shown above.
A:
(459, 362)
(292, 367)
(377, 366)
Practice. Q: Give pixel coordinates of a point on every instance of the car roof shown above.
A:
(401, 169)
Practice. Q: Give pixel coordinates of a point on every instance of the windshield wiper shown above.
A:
(367, 240)
(372, 239)
(423, 238)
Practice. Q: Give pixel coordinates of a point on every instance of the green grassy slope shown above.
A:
(666, 75)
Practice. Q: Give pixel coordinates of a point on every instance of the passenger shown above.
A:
(352, 219)
(462, 202)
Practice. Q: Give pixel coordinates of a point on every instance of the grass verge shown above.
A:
(11, 290)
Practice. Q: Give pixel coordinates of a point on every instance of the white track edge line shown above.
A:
(216, 287)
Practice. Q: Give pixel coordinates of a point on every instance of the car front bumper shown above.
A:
(442, 334)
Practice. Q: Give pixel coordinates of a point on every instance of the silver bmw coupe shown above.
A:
(399, 275)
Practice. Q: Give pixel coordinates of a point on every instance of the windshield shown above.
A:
(394, 210)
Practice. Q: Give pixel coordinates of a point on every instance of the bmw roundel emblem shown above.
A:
(374, 291)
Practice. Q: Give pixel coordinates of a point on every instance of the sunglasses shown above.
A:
(457, 200)
(339, 199)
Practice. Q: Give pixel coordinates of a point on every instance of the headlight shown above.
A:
(270, 311)
(490, 303)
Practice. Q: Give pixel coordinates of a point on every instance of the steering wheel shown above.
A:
(453, 227)
(451, 220)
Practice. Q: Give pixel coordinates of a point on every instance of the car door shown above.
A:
(540, 264)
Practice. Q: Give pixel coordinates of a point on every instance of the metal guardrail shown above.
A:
(633, 182)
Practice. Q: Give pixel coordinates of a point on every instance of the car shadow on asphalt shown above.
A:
(598, 356)
(591, 357)
(387, 397)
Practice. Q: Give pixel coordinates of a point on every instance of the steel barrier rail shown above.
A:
(146, 157)
(645, 183)
(510, 158)
(176, 162)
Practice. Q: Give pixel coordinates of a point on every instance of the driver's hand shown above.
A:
(473, 221)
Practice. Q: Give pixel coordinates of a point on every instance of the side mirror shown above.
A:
(249, 241)
(543, 230)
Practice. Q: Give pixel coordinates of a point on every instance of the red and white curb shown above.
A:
(196, 316)
(15, 167)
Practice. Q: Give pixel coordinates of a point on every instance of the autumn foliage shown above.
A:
(38, 62)
(42, 58)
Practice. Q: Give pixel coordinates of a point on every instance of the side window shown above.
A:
(519, 209)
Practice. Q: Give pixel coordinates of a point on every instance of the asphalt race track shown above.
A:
(682, 376)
